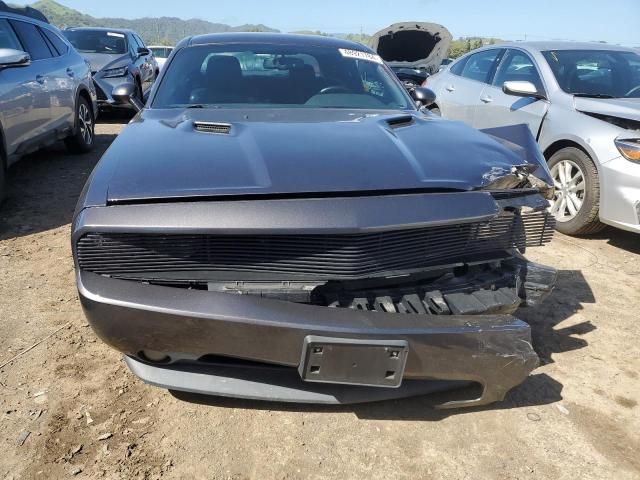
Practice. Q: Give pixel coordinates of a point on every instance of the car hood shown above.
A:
(161, 156)
(413, 45)
(628, 108)
(100, 61)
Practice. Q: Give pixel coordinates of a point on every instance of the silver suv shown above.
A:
(46, 90)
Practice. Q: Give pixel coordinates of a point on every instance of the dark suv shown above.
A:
(46, 92)
(116, 57)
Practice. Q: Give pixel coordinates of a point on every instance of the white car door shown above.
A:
(497, 109)
(460, 87)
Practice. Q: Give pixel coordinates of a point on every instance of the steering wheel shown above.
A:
(632, 91)
(334, 89)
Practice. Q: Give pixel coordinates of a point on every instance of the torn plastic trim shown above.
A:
(498, 286)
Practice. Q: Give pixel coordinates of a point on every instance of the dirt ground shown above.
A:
(70, 408)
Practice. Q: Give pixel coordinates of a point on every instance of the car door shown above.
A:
(31, 117)
(498, 109)
(62, 84)
(461, 88)
(146, 65)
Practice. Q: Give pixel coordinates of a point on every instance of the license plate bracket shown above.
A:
(373, 363)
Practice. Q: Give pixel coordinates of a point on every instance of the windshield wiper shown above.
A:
(593, 95)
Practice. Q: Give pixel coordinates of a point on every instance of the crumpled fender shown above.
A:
(534, 170)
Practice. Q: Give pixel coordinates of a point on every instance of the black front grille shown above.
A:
(317, 256)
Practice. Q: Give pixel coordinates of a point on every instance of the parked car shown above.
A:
(316, 241)
(46, 92)
(116, 56)
(582, 103)
(161, 54)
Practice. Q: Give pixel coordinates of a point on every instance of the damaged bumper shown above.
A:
(491, 351)
(391, 297)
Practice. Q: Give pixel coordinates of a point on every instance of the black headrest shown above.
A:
(223, 66)
(305, 70)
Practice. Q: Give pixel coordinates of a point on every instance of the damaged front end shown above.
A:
(335, 300)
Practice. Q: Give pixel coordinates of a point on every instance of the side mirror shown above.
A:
(13, 58)
(423, 96)
(143, 51)
(521, 89)
(125, 94)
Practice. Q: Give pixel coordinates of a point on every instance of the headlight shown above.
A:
(629, 148)
(115, 72)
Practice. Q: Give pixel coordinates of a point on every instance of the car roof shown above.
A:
(24, 18)
(100, 29)
(273, 39)
(558, 45)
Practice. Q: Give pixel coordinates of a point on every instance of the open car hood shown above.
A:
(413, 45)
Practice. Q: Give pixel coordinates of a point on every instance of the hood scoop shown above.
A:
(399, 122)
(212, 127)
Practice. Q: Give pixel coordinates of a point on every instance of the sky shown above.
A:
(613, 21)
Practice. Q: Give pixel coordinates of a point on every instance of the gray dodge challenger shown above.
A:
(284, 221)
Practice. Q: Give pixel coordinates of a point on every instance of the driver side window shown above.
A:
(480, 66)
(133, 45)
(517, 66)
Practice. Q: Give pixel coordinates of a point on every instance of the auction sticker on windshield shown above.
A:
(357, 54)
(112, 34)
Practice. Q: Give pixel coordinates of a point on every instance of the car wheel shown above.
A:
(83, 139)
(435, 111)
(576, 204)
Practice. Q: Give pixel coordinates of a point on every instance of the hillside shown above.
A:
(170, 30)
(164, 30)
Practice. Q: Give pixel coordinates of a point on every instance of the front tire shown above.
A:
(576, 204)
(82, 141)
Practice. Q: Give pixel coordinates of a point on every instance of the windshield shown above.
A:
(270, 76)
(97, 41)
(596, 73)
